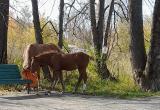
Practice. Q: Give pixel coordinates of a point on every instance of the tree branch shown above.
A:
(50, 22)
(76, 15)
(116, 3)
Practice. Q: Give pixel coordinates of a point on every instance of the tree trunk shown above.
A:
(36, 22)
(95, 35)
(137, 48)
(61, 16)
(152, 81)
(104, 70)
(4, 14)
(38, 34)
(98, 34)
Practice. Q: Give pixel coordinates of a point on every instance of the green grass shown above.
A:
(123, 88)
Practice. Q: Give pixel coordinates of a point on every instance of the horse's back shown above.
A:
(82, 59)
(82, 56)
(75, 60)
(35, 49)
(40, 48)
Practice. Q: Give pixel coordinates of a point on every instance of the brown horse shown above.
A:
(35, 49)
(59, 62)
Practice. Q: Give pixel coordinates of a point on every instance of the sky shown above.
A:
(50, 8)
(148, 6)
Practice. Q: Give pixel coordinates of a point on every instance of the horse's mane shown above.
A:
(26, 57)
(47, 53)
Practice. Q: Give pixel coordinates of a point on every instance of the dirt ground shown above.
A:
(57, 101)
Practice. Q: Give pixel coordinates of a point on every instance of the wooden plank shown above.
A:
(8, 66)
(10, 74)
(14, 81)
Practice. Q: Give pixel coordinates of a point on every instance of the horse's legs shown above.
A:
(38, 75)
(79, 79)
(46, 72)
(55, 79)
(58, 75)
(61, 80)
(85, 80)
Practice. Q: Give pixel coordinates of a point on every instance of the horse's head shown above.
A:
(34, 65)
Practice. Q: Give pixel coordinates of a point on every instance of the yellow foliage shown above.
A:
(19, 36)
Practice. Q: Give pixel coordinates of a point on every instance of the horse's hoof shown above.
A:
(48, 93)
(84, 91)
(62, 92)
(74, 92)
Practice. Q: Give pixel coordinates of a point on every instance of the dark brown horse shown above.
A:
(59, 62)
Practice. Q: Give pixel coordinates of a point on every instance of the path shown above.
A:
(56, 101)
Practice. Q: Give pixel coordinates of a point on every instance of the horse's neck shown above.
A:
(44, 60)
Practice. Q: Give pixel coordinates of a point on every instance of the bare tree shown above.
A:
(75, 17)
(152, 79)
(61, 16)
(36, 22)
(138, 53)
(98, 35)
(4, 14)
(76, 22)
(38, 34)
(146, 75)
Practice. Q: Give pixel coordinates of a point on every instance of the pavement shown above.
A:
(58, 101)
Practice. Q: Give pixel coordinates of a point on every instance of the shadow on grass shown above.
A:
(24, 96)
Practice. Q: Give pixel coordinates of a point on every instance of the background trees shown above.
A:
(100, 27)
(152, 74)
(61, 17)
(36, 22)
(138, 53)
(146, 72)
(4, 15)
(98, 35)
